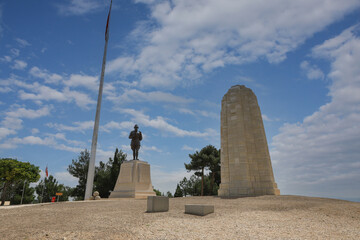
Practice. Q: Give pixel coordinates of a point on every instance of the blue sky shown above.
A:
(169, 64)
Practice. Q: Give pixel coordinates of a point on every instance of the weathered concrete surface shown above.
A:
(246, 168)
(199, 209)
(134, 181)
(157, 204)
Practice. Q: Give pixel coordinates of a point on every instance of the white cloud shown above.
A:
(312, 72)
(198, 113)
(161, 124)
(81, 99)
(4, 132)
(90, 82)
(166, 180)
(51, 140)
(12, 123)
(35, 131)
(133, 95)
(45, 93)
(13, 118)
(116, 125)
(44, 74)
(6, 59)
(195, 37)
(268, 119)
(321, 154)
(22, 112)
(80, 7)
(265, 118)
(66, 178)
(188, 148)
(151, 148)
(15, 52)
(5, 89)
(61, 136)
(19, 65)
(22, 42)
(78, 126)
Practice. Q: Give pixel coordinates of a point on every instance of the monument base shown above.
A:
(134, 181)
(228, 191)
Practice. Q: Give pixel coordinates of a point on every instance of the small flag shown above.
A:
(107, 24)
(46, 171)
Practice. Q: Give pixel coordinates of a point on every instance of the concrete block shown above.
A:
(199, 209)
(157, 204)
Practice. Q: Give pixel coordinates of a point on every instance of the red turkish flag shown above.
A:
(46, 171)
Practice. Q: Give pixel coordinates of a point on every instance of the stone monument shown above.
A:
(246, 168)
(134, 180)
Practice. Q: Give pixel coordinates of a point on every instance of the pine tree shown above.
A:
(178, 192)
(79, 169)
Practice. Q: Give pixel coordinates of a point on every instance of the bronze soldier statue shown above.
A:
(135, 137)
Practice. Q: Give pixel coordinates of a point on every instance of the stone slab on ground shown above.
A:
(199, 209)
(157, 204)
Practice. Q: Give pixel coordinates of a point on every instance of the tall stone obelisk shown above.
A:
(246, 168)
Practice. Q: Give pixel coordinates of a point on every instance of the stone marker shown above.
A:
(157, 204)
(95, 196)
(199, 209)
(245, 160)
(134, 181)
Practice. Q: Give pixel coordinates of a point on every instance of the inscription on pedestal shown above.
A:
(134, 181)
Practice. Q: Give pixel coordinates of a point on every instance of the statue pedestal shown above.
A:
(134, 181)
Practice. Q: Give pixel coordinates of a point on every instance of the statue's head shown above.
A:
(136, 127)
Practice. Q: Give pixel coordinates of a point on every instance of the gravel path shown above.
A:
(265, 217)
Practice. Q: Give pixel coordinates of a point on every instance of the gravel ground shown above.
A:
(265, 217)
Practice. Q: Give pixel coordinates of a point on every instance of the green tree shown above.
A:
(197, 164)
(212, 156)
(79, 169)
(28, 197)
(13, 171)
(107, 174)
(51, 187)
(178, 192)
(207, 158)
(158, 193)
(119, 158)
(185, 186)
(169, 194)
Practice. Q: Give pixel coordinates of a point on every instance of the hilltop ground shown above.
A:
(265, 217)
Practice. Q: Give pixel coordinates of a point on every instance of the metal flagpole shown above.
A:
(91, 170)
(22, 195)
(42, 192)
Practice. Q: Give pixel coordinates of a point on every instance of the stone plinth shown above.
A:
(246, 168)
(199, 209)
(157, 204)
(134, 181)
